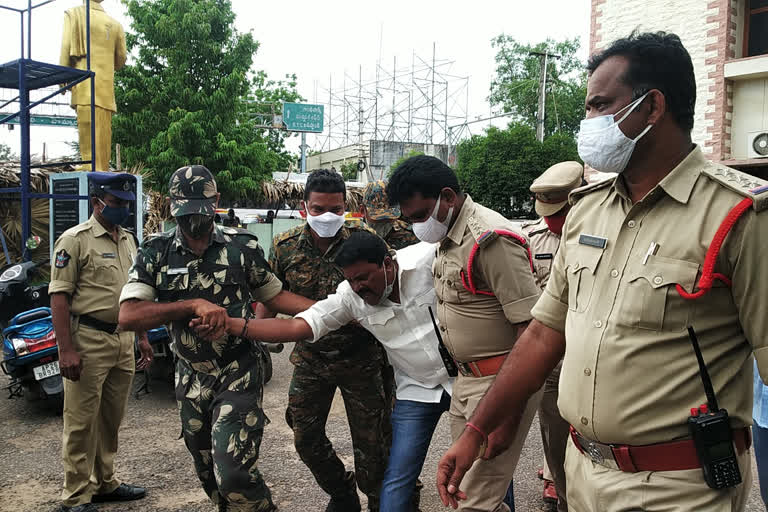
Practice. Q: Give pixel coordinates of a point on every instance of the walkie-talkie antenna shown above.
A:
(708, 389)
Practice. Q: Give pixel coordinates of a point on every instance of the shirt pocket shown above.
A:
(105, 271)
(172, 285)
(386, 327)
(650, 300)
(449, 281)
(581, 265)
(229, 288)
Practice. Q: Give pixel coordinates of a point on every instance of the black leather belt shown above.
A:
(98, 324)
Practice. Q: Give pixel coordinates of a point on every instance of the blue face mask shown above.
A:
(115, 216)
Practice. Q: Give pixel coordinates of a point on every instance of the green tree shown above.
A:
(515, 87)
(497, 168)
(188, 97)
(6, 154)
(402, 159)
(349, 171)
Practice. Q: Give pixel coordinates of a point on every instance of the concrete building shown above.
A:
(728, 42)
(378, 155)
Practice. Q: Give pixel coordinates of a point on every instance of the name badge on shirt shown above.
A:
(544, 256)
(109, 255)
(593, 241)
(178, 271)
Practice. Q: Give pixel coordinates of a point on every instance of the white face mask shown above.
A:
(326, 225)
(602, 144)
(432, 230)
(387, 287)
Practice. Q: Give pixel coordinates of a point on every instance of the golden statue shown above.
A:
(107, 55)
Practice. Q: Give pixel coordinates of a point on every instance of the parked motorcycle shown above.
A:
(30, 352)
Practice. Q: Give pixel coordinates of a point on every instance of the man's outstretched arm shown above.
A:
(527, 366)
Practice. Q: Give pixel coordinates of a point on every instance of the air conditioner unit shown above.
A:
(757, 144)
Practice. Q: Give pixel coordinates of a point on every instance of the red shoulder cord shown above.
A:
(708, 275)
(466, 279)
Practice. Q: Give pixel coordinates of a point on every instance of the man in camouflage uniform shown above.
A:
(385, 220)
(182, 274)
(349, 359)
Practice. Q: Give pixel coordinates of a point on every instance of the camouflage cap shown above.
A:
(192, 190)
(375, 201)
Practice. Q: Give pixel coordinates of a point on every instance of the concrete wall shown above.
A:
(385, 153)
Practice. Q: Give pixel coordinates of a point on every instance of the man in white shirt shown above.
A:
(390, 297)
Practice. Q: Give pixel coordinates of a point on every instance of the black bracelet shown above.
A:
(245, 328)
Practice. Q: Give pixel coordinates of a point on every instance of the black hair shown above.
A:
(326, 181)
(657, 60)
(231, 212)
(422, 174)
(362, 246)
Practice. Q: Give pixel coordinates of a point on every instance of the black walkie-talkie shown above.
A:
(712, 434)
(450, 364)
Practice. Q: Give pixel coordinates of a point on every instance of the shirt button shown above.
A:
(631, 224)
(449, 283)
(598, 324)
(657, 280)
(584, 421)
(438, 275)
(442, 328)
(439, 301)
(587, 372)
(614, 273)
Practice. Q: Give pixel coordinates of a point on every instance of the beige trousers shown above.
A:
(592, 487)
(93, 410)
(487, 481)
(554, 437)
(103, 136)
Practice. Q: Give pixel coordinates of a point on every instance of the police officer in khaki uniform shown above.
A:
(91, 263)
(626, 283)
(384, 219)
(481, 309)
(551, 190)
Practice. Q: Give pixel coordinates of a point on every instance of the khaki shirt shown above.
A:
(478, 326)
(91, 268)
(544, 245)
(630, 374)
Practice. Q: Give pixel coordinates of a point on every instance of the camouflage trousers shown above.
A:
(222, 425)
(365, 382)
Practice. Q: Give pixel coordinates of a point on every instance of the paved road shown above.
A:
(152, 455)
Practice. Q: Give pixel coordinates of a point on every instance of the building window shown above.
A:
(756, 28)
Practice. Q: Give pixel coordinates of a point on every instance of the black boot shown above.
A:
(347, 502)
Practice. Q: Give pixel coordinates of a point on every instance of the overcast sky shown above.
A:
(319, 39)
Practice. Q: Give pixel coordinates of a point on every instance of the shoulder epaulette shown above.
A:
(287, 235)
(580, 192)
(740, 182)
(482, 232)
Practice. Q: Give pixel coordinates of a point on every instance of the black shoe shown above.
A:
(79, 508)
(124, 492)
(350, 503)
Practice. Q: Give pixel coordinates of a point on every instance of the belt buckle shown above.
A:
(594, 453)
(464, 369)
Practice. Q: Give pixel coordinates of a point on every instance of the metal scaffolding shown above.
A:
(417, 103)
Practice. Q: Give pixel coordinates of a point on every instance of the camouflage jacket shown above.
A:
(304, 270)
(232, 273)
(397, 233)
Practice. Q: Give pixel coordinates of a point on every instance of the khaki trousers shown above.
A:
(487, 481)
(554, 437)
(103, 136)
(93, 410)
(592, 487)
